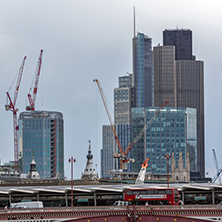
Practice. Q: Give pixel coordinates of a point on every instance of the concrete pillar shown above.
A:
(183, 196)
(213, 197)
(10, 199)
(66, 200)
(94, 199)
(37, 196)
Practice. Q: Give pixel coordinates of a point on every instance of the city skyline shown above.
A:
(78, 50)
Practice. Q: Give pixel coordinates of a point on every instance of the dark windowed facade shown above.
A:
(182, 40)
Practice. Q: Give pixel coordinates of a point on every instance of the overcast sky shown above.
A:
(83, 40)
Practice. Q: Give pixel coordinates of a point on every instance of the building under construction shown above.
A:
(41, 133)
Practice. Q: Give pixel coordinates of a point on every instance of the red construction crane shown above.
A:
(11, 107)
(138, 137)
(32, 97)
(122, 156)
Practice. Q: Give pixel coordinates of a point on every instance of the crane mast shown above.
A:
(109, 116)
(32, 97)
(11, 107)
(217, 168)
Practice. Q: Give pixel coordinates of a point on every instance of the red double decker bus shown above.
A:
(154, 196)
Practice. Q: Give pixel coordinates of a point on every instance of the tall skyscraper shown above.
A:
(182, 40)
(123, 100)
(190, 93)
(174, 131)
(181, 82)
(143, 70)
(41, 133)
(164, 75)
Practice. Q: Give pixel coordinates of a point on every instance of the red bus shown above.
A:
(154, 196)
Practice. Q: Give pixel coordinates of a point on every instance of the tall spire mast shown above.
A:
(134, 22)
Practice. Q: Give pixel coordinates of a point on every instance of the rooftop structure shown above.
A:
(33, 174)
(89, 172)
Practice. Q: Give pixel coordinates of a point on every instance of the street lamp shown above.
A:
(71, 160)
(167, 157)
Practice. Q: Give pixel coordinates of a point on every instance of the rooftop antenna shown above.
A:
(134, 22)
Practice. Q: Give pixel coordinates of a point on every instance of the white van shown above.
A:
(121, 203)
(26, 205)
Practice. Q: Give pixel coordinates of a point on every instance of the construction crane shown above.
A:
(138, 137)
(217, 175)
(11, 106)
(32, 97)
(122, 156)
(141, 176)
(217, 168)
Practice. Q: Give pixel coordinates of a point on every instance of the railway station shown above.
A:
(102, 194)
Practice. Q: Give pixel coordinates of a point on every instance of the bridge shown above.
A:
(185, 213)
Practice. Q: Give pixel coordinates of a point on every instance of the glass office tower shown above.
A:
(173, 131)
(41, 132)
(143, 70)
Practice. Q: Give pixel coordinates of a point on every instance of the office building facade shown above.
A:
(143, 70)
(173, 131)
(164, 75)
(123, 100)
(41, 133)
(179, 78)
(108, 148)
(190, 93)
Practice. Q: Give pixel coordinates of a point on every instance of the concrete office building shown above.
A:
(182, 83)
(143, 70)
(41, 133)
(173, 131)
(123, 100)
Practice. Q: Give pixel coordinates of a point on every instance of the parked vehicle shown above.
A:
(26, 205)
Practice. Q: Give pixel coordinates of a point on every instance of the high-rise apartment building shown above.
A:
(41, 133)
(182, 40)
(179, 78)
(143, 70)
(174, 131)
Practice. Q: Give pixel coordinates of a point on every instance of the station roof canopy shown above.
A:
(104, 189)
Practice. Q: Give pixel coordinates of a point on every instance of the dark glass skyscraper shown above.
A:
(179, 78)
(182, 40)
(143, 70)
